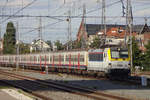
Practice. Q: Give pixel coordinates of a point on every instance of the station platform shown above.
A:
(5, 96)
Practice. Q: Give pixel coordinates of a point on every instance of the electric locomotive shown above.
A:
(111, 61)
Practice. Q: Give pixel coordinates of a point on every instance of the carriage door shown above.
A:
(106, 60)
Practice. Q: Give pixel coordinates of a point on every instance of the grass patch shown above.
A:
(25, 93)
(94, 87)
(65, 81)
(5, 87)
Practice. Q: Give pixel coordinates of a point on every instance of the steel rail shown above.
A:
(37, 95)
(73, 89)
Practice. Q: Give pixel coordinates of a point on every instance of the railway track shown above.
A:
(63, 87)
(132, 80)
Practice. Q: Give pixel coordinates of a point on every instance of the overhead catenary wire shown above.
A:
(79, 16)
(18, 11)
(64, 17)
(3, 8)
(70, 16)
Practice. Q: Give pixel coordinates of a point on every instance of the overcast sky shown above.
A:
(57, 29)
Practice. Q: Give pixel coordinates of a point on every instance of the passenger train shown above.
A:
(107, 61)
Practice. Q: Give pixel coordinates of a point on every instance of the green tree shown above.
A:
(59, 45)
(77, 45)
(96, 43)
(137, 53)
(146, 61)
(10, 39)
(24, 48)
(49, 43)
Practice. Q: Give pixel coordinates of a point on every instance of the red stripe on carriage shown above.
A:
(34, 59)
(30, 60)
(53, 61)
(78, 60)
(59, 60)
(45, 61)
(40, 63)
(70, 61)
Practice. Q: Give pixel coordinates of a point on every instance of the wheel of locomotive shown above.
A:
(101, 74)
(84, 72)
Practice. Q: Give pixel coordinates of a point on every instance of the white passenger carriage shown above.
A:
(108, 60)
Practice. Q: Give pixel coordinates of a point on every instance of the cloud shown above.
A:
(78, 1)
(143, 12)
(15, 2)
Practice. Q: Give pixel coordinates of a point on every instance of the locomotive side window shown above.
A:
(124, 54)
(95, 57)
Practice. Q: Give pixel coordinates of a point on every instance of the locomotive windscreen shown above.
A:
(119, 53)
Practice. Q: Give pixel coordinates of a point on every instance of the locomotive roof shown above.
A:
(96, 50)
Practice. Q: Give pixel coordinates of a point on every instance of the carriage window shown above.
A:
(51, 58)
(47, 58)
(67, 58)
(42, 58)
(56, 58)
(81, 58)
(95, 57)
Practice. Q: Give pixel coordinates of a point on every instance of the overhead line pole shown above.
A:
(69, 31)
(40, 34)
(103, 23)
(17, 42)
(130, 23)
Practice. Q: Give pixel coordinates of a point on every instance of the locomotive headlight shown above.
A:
(129, 64)
(110, 65)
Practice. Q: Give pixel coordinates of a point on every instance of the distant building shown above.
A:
(39, 45)
(144, 36)
(116, 34)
